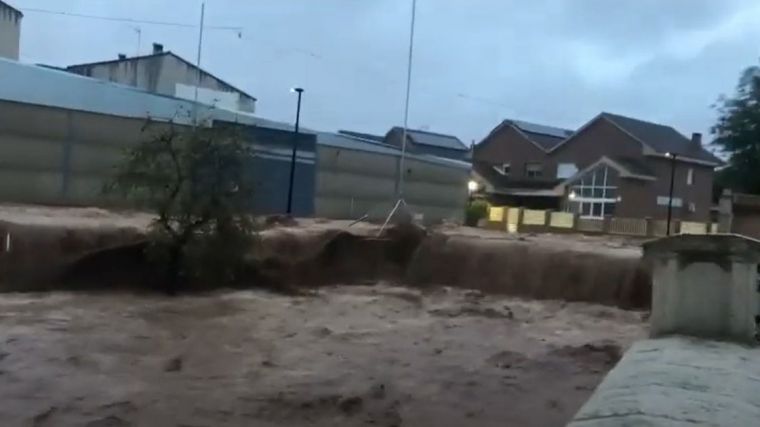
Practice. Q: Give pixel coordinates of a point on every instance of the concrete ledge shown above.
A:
(678, 381)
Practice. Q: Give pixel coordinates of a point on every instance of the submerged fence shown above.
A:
(514, 219)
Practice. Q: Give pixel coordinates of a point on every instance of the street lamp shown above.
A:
(672, 157)
(472, 187)
(299, 91)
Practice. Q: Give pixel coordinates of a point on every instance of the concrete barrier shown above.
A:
(678, 381)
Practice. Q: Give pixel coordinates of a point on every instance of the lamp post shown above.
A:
(472, 187)
(672, 157)
(299, 91)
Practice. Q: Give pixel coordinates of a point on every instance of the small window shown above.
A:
(690, 177)
(566, 170)
(533, 170)
(665, 201)
(506, 168)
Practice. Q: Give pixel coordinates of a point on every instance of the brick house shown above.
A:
(612, 165)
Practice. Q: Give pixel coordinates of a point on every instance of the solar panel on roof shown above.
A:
(542, 129)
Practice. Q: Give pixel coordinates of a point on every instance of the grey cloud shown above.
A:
(476, 61)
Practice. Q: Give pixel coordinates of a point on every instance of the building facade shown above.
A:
(613, 165)
(10, 31)
(166, 73)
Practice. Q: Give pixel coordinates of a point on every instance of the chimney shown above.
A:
(157, 48)
(122, 56)
(696, 139)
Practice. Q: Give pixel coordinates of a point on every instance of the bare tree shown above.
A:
(196, 181)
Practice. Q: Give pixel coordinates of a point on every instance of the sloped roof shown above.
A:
(661, 138)
(634, 166)
(73, 68)
(432, 139)
(33, 84)
(341, 140)
(547, 137)
(13, 9)
(361, 135)
(627, 167)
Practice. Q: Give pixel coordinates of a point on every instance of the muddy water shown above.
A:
(354, 356)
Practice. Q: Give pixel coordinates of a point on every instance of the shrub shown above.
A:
(475, 211)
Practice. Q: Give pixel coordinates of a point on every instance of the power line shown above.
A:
(131, 20)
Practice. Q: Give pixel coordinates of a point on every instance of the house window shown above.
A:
(534, 170)
(664, 201)
(594, 195)
(566, 170)
(506, 169)
(690, 176)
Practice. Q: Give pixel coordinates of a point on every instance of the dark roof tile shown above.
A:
(661, 138)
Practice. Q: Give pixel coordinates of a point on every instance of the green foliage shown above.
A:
(737, 134)
(475, 211)
(195, 181)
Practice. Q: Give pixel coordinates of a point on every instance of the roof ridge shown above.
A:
(431, 133)
(649, 122)
(517, 121)
(157, 54)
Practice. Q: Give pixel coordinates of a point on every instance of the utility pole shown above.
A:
(295, 150)
(198, 65)
(672, 157)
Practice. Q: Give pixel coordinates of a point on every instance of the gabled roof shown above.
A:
(626, 167)
(545, 137)
(661, 138)
(432, 139)
(13, 9)
(74, 67)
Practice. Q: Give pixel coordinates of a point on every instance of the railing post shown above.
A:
(520, 215)
(649, 227)
(606, 224)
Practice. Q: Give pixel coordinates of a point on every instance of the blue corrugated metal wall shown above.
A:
(270, 170)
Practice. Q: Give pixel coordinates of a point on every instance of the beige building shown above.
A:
(10, 31)
(166, 73)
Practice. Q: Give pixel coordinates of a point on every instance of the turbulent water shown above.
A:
(355, 356)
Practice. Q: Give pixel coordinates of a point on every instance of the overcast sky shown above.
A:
(555, 62)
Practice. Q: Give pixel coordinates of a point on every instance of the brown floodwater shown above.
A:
(350, 356)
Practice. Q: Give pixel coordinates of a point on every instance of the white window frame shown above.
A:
(690, 176)
(506, 169)
(603, 201)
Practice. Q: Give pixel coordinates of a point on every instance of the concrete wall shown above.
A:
(69, 158)
(10, 32)
(678, 382)
(162, 74)
(351, 183)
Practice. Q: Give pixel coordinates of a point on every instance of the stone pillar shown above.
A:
(725, 211)
(705, 286)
